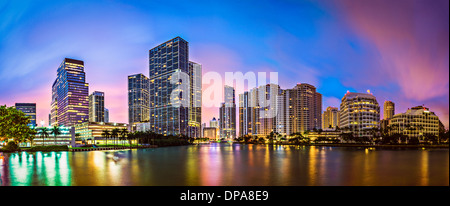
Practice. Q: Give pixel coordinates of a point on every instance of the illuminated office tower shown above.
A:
(165, 60)
(70, 102)
(195, 108)
(359, 113)
(227, 121)
(245, 124)
(54, 105)
(284, 112)
(267, 102)
(330, 118)
(138, 99)
(389, 110)
(30, 110)
(106, 115)
(97, 107)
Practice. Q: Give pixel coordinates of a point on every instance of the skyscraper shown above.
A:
(227, 114)
(245, 127)
(138, 99)
(307, 108)
(70, 103)
(168, 61)
(30, 110)
(106, 115)
(97, 107)
(389, 110)
(330, 118)
(214, 123)
(195, 108)
(359, 113)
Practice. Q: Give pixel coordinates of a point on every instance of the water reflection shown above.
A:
(228, 164)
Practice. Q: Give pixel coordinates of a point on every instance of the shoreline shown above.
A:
(356, 145)
(317, 145)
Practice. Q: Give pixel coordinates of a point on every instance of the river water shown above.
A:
(224, 164)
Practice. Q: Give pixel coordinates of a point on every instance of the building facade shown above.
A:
(30, 111)
(359, 113)
(138, 99)
(106, 115)
(245, 127)
(93, 130)
(227, 112)
(165, 60)
(388, 110)
(70, 102)
(415, 122)
(330, 118)
(210, 132)
(195, 92)
(97, 107)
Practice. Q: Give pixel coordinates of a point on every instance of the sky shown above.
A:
(399, 50)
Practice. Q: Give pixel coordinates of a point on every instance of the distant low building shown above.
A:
(64, 138)
(210, 132)
(93, 130)
(328, 134)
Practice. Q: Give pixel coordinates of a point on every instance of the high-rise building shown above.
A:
(359, 113)
(97, 107)
(415, 122)
(214, 123)
(227, 114)
(54, 105)
(307, 108)
(330, 118)
(299, 109)
(245, 124)
(258, 110)
(165, 60)
(389, 110)
(195, 108)
(138, 99)
(284, 112)
(70, 102)
(30, 110)
(106, 115)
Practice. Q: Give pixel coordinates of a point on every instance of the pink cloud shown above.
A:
(412, 40)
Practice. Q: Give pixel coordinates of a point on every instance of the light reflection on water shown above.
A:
(229, 164)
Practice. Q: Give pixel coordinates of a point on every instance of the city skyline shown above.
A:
(332, 63)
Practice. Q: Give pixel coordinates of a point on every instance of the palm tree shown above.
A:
(105, 134)
(123, 133)
(44, 132)
(130, 136)
(115, 133)
(31, 136)
(55, 131)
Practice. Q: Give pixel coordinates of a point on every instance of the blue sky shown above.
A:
(397, 50)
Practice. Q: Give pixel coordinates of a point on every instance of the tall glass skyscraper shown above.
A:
(227, 114)
(30, 110)
(138, 99)
(106, 115)
(97, 107)
(164, 61)
(70, 102)
(195, 108)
